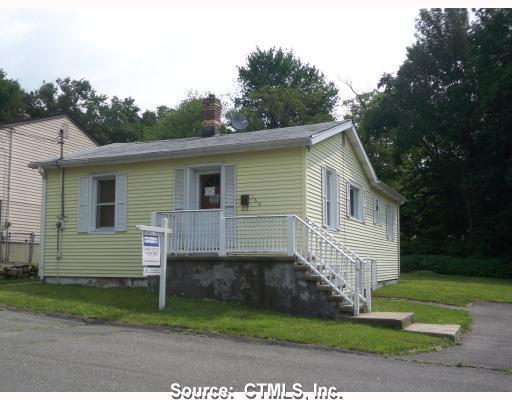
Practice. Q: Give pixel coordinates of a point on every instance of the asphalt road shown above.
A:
(40, 353)
(487, 345)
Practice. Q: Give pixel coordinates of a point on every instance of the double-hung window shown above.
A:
(355, 197)
(105, 202)
(390, 222)
(377, 211)
(102, 203)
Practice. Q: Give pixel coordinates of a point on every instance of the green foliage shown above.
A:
(183, 121)
(136, 306)
(439, 131)
(279, 90)
(447, 265)
(11, 98)
(117, 120)
(448, 289)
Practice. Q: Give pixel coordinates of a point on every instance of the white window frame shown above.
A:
(377, 210)
(192, 173)
(331, 192)
(93, 184)
(355, 185)
(390, 221)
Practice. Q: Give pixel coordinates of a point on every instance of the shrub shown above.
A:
(448, 265)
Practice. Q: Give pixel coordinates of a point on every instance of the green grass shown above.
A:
(138, 307)
(448, 289)
(425, 313)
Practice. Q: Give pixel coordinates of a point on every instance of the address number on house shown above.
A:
(150, 250)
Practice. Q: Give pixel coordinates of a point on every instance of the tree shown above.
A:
(117, 120)
(277, 90)
(425, 114)
(491, 55)
(183, 121)
(120, 121)
(11, 98)
(446, 115)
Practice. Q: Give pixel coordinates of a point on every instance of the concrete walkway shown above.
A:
(40, 353)
(487, 345)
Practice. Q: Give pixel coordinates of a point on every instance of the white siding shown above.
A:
(364, 238)
(31, 141)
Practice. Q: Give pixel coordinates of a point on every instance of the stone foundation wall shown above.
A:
(271, 283)
(97, 282)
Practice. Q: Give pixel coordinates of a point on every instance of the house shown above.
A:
(20, 187)
(250, 212)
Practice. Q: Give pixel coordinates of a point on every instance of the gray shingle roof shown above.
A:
(177, 148)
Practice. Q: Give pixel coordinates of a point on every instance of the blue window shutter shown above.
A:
(229, 191)
(120, 213)
(82, 225)
(179, 188)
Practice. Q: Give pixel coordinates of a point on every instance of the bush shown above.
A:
(448, 265)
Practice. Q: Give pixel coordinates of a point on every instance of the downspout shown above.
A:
(60, 221)
(7, 224)
(42, 241)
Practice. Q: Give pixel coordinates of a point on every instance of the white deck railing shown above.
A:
(210, 232)
(193, 231)
(265, 234)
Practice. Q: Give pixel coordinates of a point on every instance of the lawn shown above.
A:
(425, 313)
(448, 289)
(136, 306)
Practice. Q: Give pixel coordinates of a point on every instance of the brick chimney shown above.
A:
(211, 116)
(23, 116)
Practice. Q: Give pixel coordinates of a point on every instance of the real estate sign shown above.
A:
(150, 250)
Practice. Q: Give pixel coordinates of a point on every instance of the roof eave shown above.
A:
(368, 167)
(221, 149)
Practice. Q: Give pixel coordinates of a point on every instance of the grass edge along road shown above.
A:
(136, 306)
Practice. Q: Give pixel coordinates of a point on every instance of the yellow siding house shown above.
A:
(307, 192)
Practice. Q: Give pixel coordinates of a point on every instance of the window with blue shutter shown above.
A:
(120, 202)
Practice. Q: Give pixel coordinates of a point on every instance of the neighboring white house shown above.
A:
(21, 187)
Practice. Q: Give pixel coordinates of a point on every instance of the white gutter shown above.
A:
(170, 155)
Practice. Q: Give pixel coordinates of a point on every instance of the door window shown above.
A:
(209, 191)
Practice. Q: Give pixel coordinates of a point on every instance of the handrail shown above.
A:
(257, 216)
(328, 240)
(316, 225)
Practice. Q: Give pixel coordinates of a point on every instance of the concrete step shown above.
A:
(313, 277)
(349, 308)
(441, 330)
(301, 267)
(397, 320)
(324, 288)
(335, 297)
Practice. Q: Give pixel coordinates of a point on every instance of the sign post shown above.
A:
(163, 266)
(154, 252)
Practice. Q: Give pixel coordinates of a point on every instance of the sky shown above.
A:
(158, 55)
